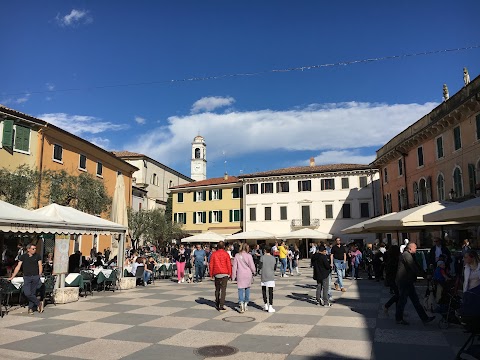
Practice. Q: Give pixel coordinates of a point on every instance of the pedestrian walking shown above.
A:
(338, 260)
(31, 264)
(180, 260)
(296, 258)
(199, 259)
(282, 254)
(243, 270)
(220, 270)
(321, 273)
(391, 267)
(268, 279)
(368, 256)
(355, 260)
(407, 273)
(256, 254)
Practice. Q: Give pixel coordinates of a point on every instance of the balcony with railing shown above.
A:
(305, 223)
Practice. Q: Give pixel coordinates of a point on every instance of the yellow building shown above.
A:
(43, 146)
(209, 205)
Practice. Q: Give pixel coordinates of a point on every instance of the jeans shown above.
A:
(244, 295)
(408, 291)
(199, 270)
(146, 276)
(30, 284)
(355, 271)
(322, 289)
(220, 290)
(283, 265)
(340, 269)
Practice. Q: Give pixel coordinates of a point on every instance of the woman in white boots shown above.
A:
(243, 270)
(268, 279)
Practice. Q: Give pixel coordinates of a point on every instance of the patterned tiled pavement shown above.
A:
(169, 321)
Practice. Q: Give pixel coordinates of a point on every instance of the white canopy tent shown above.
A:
(209, 236)
(306, 234)
(360, 227)
(251, 235)
(17, 219)
(410, 219)
(467, 211)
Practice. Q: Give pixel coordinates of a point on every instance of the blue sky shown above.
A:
(255, 123)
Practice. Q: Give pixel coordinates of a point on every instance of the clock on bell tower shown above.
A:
(199, 159)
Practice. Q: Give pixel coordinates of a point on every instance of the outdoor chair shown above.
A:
(87, 281)
(139, 275)
(49, 287)
(3, 297)
(111, 281)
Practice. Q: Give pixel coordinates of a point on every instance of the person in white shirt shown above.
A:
(402, 247)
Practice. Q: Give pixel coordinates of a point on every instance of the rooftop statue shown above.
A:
(445, 92)
(466, 76)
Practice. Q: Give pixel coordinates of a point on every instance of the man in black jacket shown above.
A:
(438, 250)
(408, 270)
(321, 273)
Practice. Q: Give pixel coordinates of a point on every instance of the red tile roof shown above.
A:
(208, 182)
(121, 154)
(308, 170)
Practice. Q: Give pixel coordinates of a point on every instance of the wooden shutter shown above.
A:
(22, 138)
(194, 217)
(204, 195)
(241, 214)
(185, 218)
(194, 196)
(220, 215)
(204, 217)
(210, 217)
(299, 185)
(210, 194)
(231, 215)
(175, 217)
(322, 184)
(7, 138)
(220, 194)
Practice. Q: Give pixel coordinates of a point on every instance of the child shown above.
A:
(268, 279)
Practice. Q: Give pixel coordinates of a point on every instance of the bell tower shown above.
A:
(199, 159)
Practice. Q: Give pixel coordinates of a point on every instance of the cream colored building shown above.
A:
(209, 205)
(153, 177)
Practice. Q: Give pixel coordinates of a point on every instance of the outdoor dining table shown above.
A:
(102, 274)
(17, 282)
(74, 280)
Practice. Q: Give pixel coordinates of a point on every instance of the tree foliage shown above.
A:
(152, 226)
(17, 186)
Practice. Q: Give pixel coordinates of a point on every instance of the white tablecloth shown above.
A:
(18, 281)
(71, 277)
(106, 272)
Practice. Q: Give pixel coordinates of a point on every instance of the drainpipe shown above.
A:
(40, 165)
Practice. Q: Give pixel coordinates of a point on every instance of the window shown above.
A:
(99, 169)
(252, 188)
(329, 184)
(387, 203)
(22, 138)
(180, 218)
(404, 202)
(363, 181)
(197, 153)
(472, 178)
(215, 194)
(154, 179)
(457, 183)
(415, 193)
(199, 196)
(422, 192)
(266, 188)
(328, 211)
(268, 213)
(236, 193)
(144, 163)
(346, 211)
(57, 153)
(200, 217)
(180, 197)
(439, 147)
(283, 213)
(215, 216)
(364, 210)
(235, 215)
(304, 185)
(345, 183)
(477, 120)
(385, 175)
(82, 164)
(420, 156)
(400, 167)
(457, 138)
(440, 187)
(283, 187)
(253, 214)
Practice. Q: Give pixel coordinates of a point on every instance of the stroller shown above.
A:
(469, 317)
(450, 301)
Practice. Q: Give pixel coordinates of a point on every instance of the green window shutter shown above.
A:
(175, 217)
(194, 196)
(204, 195)
(220, 215)
(194, 217)
(210, 194)
(220, 194)
(204, 217)
(184, 218)
(241, 214)
(210, 217)
(22, 138)
(7, 138)
(231, 215)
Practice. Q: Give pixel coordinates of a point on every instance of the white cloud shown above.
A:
(348, 156)
(211, 103)
(140, 120)
(50, 86)
(19, 100)
(76, 17)
(104, 143)
(315, 127)
(22, 99)
(81, 124)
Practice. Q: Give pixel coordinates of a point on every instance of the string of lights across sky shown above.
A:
(257, 73)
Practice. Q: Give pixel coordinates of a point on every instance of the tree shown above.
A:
(138, 223)
(16, 187)
(169, 206)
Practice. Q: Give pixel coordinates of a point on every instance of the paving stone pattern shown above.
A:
(168, 320)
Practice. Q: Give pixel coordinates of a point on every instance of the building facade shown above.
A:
(437, 158)
(209, 205)
(153, 177)
(27, 140)
(327, 198)
(199, 159)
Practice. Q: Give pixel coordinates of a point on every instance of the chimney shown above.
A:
(225, 176)
(312, 162)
